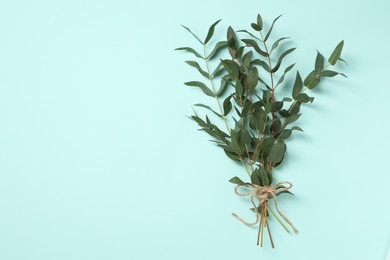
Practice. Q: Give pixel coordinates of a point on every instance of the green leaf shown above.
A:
(298, 85)
(304, 98)
(209, 108)
(291, 119)
(236, 180)
(232, 155)
(340, 59)
(270, 29)
(255, 177)
(218, 70)
(198, 120)
(295, 107)
(319, 64)
(312, 80)
(276, 44)
(277, 152)
(239, 88)
(245, 31)
(197, 66)
(196, 37)
(202, 86)
(336, 53)
(281, 79)
(232, 68)
(297, 128)
(224, 83)
(252, 78)
(231, 37)
(227, 105)
(189, 50)
(284, 54)
(262, 64)
(331, 73)
(255, 27)
(286, 133)
(219, 46)
(246, 59)
(254, 45)
(211, 32)
(259, 22)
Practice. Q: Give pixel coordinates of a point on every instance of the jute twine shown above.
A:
(262, 193)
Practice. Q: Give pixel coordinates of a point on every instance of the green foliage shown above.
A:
(257, 122)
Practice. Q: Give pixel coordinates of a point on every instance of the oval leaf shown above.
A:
(202, 86)
(189, 50)
(211, 32)
(197, 66)
(336, 53)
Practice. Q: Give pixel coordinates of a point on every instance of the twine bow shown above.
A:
(262, 193)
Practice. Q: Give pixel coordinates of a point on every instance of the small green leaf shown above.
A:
(295, 107)
(277, 152)
(276, 44)
(254, 45)
(304, 98)
(219, 46)
(227, 105)
(196, 37)
(224, 83)
(319, 64)
(270, 29)
(286, 133)
(197, 66)
(209, 108)
(284, 54)
(231, 37)
(297, 128)
(251, 34)
(281, 79)
(262, 64)
(298, 85)
(340, 59)
(259, 22)
(232, 155)
(291, 119)
(211, 32)
(218, 70)
(232, 68)
(336, 53)
(331, 73)
(312, 80)
(252, 78)
(197, 119)
(189, 50)
(236, 180)
(255, 27)
(256, 178)
(202, 86)
(246, 59)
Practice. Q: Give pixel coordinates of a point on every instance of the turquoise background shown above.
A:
(99, 161)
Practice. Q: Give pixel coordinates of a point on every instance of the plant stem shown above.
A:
(272, 81)
(269, 233)
(212, 86)
(219, 104)
(277, 218)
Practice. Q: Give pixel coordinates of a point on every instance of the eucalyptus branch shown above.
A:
(258, 137)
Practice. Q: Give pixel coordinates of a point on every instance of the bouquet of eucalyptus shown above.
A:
(257, 121)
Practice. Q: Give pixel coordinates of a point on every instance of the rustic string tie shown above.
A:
(262, 193)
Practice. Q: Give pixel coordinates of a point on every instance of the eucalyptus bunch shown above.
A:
(244, 87)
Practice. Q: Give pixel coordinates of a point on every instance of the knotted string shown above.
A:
(262, 193)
